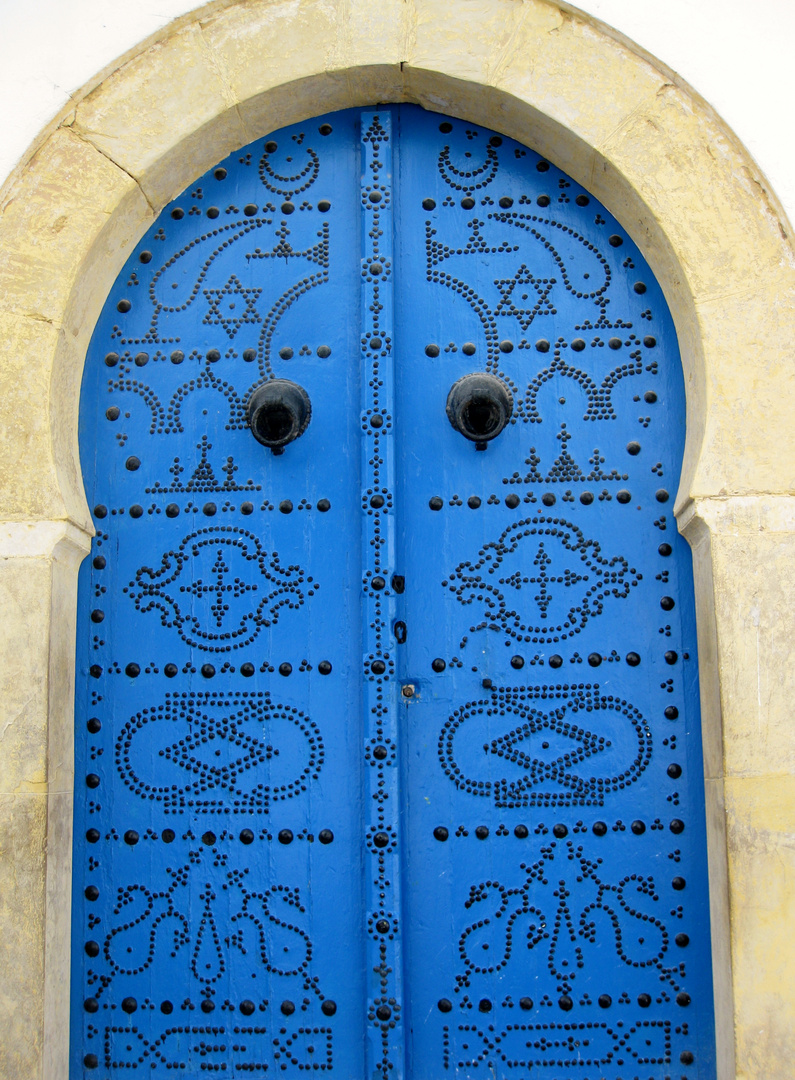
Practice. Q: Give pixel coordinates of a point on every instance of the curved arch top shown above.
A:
(645, 144)
(371, 259)
(649, 148)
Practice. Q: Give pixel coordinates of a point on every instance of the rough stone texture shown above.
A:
(25, 442)
(754, 574)
(750, 394)
(23, 910)
(37, 598)
(760, 813)
(178, 87)
(690, 195)
(744, 561)
(720, 926)
(728, 240)
(322, 45)
(50, 220)
(71, 216)
(654, 131)
(24, 684)
(58, 937)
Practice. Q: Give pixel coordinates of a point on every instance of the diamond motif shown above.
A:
(546, 756)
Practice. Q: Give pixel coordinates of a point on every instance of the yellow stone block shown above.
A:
(761, 829)
(64, 413)
(582, 80)
(165, 116)
(23, 846)
(686, 167)
(336, 57)
(52, 216)
(25, 595)
(28, 480)
(58, 897)
(753, 565)
(749, 436)
(467, 41)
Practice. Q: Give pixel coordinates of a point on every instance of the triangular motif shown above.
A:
(203, 478)
(564, 469)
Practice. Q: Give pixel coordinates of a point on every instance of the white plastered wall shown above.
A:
(736, 54)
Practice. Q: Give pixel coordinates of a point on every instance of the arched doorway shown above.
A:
(690, 195)
(507, 813)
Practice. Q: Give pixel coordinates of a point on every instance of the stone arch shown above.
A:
(690, 195)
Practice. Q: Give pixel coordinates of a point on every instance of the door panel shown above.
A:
(554, 814)
(387, 745)
(231, 752)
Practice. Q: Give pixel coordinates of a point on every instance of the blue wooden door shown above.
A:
(388, 751)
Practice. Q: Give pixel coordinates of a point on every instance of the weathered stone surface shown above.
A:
(29, 486)
(749, 436)
(753, 560)
(165, 116)
(700, 183)
(24, 684)
(51, 217)
(337, 56)
(760, 814)
(70, 217)
(57, 945)
(23, 851)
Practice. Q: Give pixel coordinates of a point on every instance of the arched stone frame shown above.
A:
(692, 198)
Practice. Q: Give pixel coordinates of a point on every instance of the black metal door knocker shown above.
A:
(279, 411)
(479, 406)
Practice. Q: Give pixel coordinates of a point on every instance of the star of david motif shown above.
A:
(219, 589)
(547, 757)
(216, 754)
(224, 306)
(563, 608)
(537, 293)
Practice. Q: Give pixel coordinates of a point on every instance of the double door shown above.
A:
(388, 753)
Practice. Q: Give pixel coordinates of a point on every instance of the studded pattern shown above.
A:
(197, 578)
(554, 831)
(228, 780)
(382, 832)
(554, 544)
(388, 746)
(551, 756)
(210, 821)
